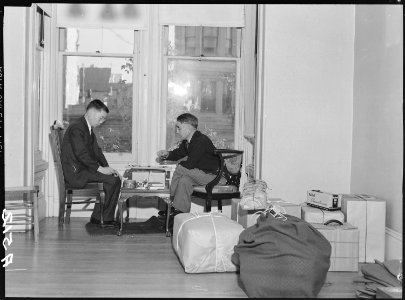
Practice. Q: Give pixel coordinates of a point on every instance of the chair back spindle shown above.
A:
(56, 138)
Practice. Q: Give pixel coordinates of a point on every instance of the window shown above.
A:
(202, 78)
(98, 64)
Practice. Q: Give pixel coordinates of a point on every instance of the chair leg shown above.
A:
(219, 205)
(208, 201)
(102, 200)
(69, 206)
(36, 220)
(62, 203)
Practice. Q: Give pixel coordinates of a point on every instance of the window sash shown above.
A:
(238, 132)
(199, 50)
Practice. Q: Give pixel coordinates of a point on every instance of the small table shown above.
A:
(163, 194)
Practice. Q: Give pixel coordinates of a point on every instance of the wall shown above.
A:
(377, 161)
(305, 94)
(14, 94)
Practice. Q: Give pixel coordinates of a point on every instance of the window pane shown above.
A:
(220, 41)
(108, 79)
(205, 89)
(92, 40)
(206, 41)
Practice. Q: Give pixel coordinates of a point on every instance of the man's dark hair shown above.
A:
(97, 104)
(188, 119)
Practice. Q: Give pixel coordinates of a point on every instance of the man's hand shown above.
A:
(119, 175)
(162, 154)
(109, 171)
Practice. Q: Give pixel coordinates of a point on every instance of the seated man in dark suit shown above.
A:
(198, 167)
(83, 161)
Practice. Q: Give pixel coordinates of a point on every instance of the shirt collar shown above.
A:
(88, 124)
(189, 139)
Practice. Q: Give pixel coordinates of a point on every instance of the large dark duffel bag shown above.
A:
(282, 258)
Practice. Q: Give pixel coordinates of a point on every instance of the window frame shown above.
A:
(116, 158)
(38, 80)
(238, 130)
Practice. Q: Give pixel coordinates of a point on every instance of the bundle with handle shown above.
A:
(282, 256)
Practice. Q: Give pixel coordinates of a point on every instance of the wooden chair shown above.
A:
(17, 201)
(91, 193)
(230, 166)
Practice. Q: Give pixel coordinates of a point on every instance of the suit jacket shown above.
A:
(80, 154)
(199, 152)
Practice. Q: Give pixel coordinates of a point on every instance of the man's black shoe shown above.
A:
(110, 223)
(95, 221)
(162, 218)
(163, 212)
(171, 219)
(175, 212)
(106, 223)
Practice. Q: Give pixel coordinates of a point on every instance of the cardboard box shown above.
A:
(317, 215)
(389, 292)
(204, 242)
(324, 200)
(344, 240)
(147, 174)
(367, 213)
(248, 218)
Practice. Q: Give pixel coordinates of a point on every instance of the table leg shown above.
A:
(120, 213)
(169, 206)
(127, 205)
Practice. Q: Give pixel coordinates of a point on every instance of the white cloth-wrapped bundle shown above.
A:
(254, 195)
(204, 242)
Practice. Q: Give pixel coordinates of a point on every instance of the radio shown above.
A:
(324, 200)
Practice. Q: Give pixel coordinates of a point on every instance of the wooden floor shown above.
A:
(68, 262)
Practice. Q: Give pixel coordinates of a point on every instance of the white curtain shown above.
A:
(216, 15)
(135, 16)
(124, 16)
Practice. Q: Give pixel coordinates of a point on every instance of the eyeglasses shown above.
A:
(181, 126)
(178, 128)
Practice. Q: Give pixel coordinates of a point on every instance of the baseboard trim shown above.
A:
(393, 244)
